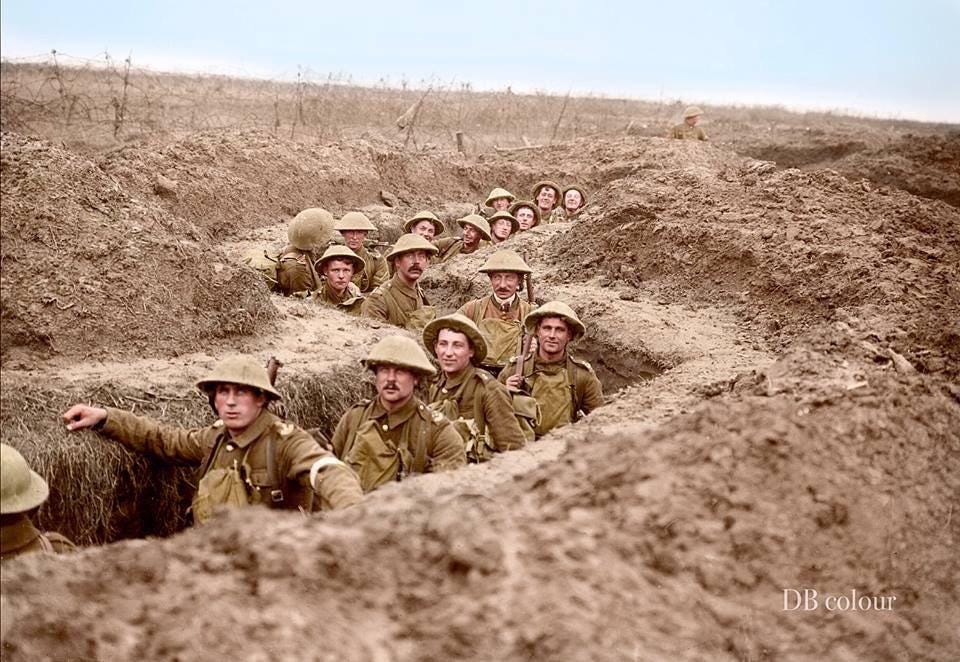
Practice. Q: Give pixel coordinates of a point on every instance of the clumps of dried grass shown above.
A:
(99, 490)
(318, 400)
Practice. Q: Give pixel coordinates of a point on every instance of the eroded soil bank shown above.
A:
(801, 434)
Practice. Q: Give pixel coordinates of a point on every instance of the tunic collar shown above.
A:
(451, 383)
(550, 365)
(257, 428)
(396, 418)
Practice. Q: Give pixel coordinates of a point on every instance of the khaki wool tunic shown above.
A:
(19, 536)
(559, 404)
(395, 302)
(295, 272)
(686, 132)
(452, 246)
(502, 328)
(496, 405)
(349, 302)
(295, 452)
(384, 446)
(561, 215)
(375, 270)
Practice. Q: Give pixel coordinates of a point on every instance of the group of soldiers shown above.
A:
(506, 375)
(501, 375)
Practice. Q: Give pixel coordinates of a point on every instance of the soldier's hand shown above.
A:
(84, 416)
(514, 382)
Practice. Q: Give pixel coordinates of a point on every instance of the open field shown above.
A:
(775, 316)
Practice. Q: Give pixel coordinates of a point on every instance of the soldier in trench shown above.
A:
(476, 235)
(426, 224)
(22, 491)
(565, 387)
(355, 226)
(247, 456)
(688, 129)
(527, 215)
(401, 300)
(574, 200)
(499, 199)
(479, 406)
(499, 315)
(309, 233)
(547, 196)
(336, 268)
(396, 434)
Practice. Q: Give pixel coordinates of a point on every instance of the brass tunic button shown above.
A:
(385, 427)
(443, 390)
(230, 448)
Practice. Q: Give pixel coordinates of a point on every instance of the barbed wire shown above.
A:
(107, 101)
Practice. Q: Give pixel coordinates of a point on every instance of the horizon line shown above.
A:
(211, 69)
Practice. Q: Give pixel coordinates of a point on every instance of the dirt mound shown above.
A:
(91, 271)
(680, 511)
(927, 166)
(795, 248)
(230, 181)
(675, 543)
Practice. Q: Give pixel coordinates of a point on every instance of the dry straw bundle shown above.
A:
(100, 491)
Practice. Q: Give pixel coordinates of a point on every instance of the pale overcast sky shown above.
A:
(878, 57)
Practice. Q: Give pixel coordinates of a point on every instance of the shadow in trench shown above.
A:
(617, 366)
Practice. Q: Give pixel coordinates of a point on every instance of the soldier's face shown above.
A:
(425, 229)
(505, 283)
(501, 228)
(411, 265)
(471, 236)
(238, 406)
(553, 334)
(354, 238)
(692, 121)
(546, 198)
(526, 218)
(572, 200)
(501, 204)
(453, 351)
(395, 385)
(338, 274)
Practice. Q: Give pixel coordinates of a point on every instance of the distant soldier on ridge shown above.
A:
(689, 130)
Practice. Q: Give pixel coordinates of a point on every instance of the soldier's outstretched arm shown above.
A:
(174, 444)
(81, 416)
